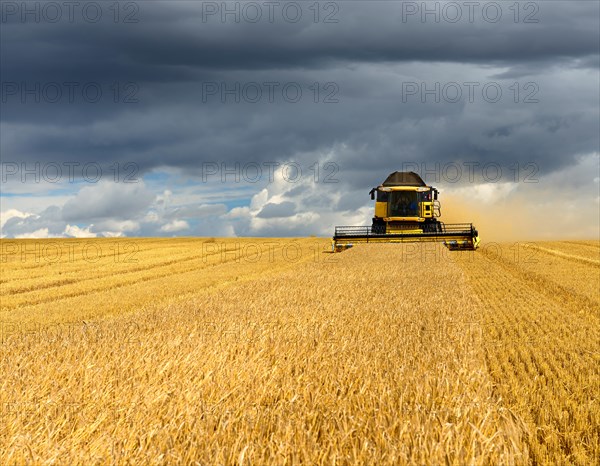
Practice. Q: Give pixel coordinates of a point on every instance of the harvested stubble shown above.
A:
(380, 355)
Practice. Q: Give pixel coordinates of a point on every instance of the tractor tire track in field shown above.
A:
(31, 270)
(550, 289)
(571, 257)
(129, 270)
(306, 363)
(594, 246)
(541, 342)
(110, 260)
(370, 356)
(44, 295)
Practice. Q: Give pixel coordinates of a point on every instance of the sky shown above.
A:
(190, 118)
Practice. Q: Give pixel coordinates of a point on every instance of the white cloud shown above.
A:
(12, 213)
(115, 226)
(108, 200)
(238, 213)
(260, 199)
(76, 232)
(174, 226)
(551, 207)
(301, 208)
(151, 217)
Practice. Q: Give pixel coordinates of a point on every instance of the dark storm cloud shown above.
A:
(107, 200)
(197, 211)
(49, 218)
(283, 209)
(372, 49)
(172, 34)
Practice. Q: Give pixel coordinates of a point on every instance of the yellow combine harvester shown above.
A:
(406, 211)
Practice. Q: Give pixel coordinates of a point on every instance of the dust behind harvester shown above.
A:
(407, 210)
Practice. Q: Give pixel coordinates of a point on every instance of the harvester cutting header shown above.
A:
(406, 210)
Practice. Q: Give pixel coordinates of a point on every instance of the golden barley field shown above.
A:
(274, 351)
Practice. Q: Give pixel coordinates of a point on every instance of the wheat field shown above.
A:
(274, 351)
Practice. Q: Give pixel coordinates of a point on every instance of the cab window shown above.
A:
(404, 204)
(382, 196)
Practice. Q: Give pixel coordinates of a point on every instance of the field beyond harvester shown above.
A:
(406, 211)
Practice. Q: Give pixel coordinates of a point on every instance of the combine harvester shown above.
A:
(406, 211)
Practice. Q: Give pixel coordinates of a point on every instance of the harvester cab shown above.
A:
(406, 210)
